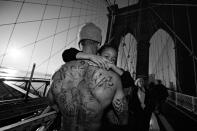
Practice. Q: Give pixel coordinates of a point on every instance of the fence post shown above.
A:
(45, 88)
(29, 83)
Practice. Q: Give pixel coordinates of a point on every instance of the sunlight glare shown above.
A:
(15, 53)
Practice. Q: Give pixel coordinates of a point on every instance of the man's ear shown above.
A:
(80, 47)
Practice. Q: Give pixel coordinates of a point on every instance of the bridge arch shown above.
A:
(162, 57)
(127, 53)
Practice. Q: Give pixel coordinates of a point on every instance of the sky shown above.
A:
(32, 39)
(38, 31)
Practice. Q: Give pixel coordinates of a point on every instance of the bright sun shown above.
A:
(15, 53)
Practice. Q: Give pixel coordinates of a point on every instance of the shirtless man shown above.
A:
(81, 90)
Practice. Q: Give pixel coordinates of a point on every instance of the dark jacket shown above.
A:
(69, 54)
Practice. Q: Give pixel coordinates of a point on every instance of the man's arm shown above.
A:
(50, 95)
(52, 102)
(124, 75)
(74, 54)
(116, 69)
(120, 104)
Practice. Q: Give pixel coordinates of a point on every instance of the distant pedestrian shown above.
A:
(162, 95)
(136, 106)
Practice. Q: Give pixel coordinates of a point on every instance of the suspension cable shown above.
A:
(30, 21)
(47, 37)
(136, 10)
(162, 57)
(69, 23)
(58, 51)
(5, 52)
(28, 2)
(78, 23)
(186, 47)
(125, 45)
(34, 46)
(86, 11)
(128, 55)
(155, 69)
(191, 42)
(164, 4)
(93, 5)
(168, 60)
(53, 35)
(176, 63)
(53, 40)
(61, 48)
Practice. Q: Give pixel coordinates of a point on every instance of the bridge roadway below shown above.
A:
(176, 118)
(171, 118)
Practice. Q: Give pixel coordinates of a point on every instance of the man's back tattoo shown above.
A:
(81, 92)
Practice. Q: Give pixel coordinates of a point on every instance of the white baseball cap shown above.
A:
(90, 31)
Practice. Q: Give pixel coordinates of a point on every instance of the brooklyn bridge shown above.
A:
(155, 39)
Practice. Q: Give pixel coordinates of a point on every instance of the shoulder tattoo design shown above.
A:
(99, 78)
(121, 110)
(120, 105)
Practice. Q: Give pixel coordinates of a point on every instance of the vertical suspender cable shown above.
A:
(128, 55)
(78, 23)
(168, 63)
(181, 41)
(5, 52)
(69, 23)
(138, 29)
(154, 70)
(162, 57)
(126, 62)
(128, 51)
(133, 56)
(112, 20)
(176, 56)
(191, 42)
(61, 48)
(86, 14)
(32, 53)
(57, 23)
(166, 46)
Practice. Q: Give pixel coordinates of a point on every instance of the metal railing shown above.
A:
(186, 101)
(44, 120)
